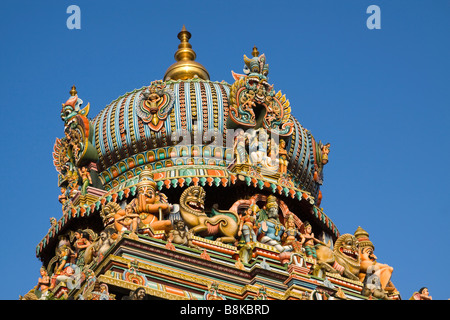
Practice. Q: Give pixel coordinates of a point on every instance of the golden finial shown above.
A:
(255, 52)
(73, 91)
(185, 67)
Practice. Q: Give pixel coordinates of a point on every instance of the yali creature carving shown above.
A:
(253, 101)
(73, 153)
(225, 224)
(342, 259)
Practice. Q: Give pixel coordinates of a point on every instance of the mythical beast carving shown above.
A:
(254, 103)
(222, 223)
(343, 258)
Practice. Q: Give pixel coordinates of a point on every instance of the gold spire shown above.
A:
(73, 91)
(185, 67)
(255, 52)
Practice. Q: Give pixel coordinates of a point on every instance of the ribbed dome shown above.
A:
(124, 141)
(164, 124)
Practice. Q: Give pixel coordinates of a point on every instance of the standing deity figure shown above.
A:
(325, 152)
(258, 147)
(282, 154)
(292, 234)
(43, 285)
(85, 178)
(309, 241)
(63, 198)
(247, 225)
(81, 244)
(369, 261)
(270, 226)
(240, 147)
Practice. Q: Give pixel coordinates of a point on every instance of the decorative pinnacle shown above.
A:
(184, 51)
(255, 52)
(185, 67)
(73, 91)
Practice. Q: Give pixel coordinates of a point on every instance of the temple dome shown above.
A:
(128, 135)
(124, 141)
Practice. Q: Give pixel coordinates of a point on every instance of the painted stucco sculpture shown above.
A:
(221, 223)
(193, 189)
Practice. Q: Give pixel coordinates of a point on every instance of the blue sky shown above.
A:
(380, 97)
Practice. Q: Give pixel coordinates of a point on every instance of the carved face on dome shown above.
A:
(156, 104)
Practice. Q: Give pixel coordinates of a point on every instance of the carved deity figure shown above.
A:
(292, 235)
(308, 240)
(369, 260)
(149, 205)
(86, 179)
(372, 285)
(43, 285)
(63, 198)
(262, 294)
(181, 235)
(258, 147)
(126, 220)
(247, 225)
(325, 152)
(64, 268)
(138, 294)
(103, 244)
(282, 156)
(270, 226)
(102, 293)
(213, 293)
(240, 147)
(263, 151)
(81, 244)
(422, 294)
(248, 103)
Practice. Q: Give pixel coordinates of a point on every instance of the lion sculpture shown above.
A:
(343, 258)
(225, 224)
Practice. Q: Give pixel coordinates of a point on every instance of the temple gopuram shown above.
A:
(193, 189)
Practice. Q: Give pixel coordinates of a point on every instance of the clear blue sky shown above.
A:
(380, 97)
